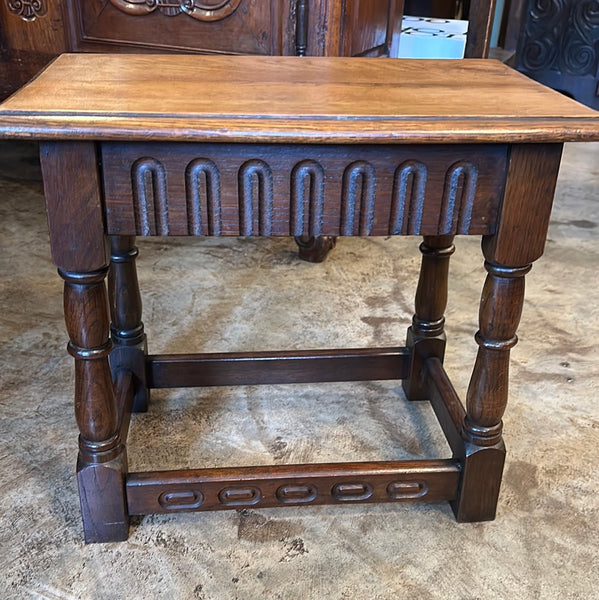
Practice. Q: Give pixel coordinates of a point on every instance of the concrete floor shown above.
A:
(544, 543)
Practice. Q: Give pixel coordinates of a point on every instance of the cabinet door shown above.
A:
(207, 26)
(371, 25)
(350, 27)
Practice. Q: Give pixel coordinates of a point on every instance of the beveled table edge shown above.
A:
(16, 125)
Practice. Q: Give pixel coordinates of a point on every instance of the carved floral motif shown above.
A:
(28, 10)
(201, 10)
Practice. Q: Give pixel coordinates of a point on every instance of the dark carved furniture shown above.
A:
(337, 147)
(559, 46)
(34, 31)
(280, 27)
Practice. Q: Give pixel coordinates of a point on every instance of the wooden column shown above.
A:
(72, 185)
(480, 25)
(127, 329)
(519, 240)
(426, 336)
(101, 465)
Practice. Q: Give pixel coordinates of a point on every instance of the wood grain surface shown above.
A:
(270, 99)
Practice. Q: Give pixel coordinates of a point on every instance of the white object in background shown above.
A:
(432, 38)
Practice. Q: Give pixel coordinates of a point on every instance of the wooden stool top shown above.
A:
(286, 99)
(301, 147)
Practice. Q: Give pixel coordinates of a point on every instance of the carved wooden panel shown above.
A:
(238, 26)
(291, 485)
(195, 189)
(207, 10)
(32, 26)
(305, 27)
(28, 10)
(559, 46)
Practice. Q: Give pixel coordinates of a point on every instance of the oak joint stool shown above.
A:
(272, 146)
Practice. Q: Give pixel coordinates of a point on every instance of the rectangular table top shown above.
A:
(290, 99)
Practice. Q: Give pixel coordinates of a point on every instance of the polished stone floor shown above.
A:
(252, 294)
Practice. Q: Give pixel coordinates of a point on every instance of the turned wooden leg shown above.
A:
(500, 310)
(102, 464)
(127, 330)
(72, 185)
(315, 249)
(426, 336)
(518, 241)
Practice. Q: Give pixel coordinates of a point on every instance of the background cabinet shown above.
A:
(559, 46)
(34, 31)
(442, 9)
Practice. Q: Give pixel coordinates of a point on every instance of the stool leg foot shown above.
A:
(127, 329)
(315, 249)
(500, 310)
(102, 465)
(426, 337)
(102, 499)
(482, 469)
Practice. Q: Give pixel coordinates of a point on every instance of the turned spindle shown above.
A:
(126, 328)
(500, 311)
(426, 337)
